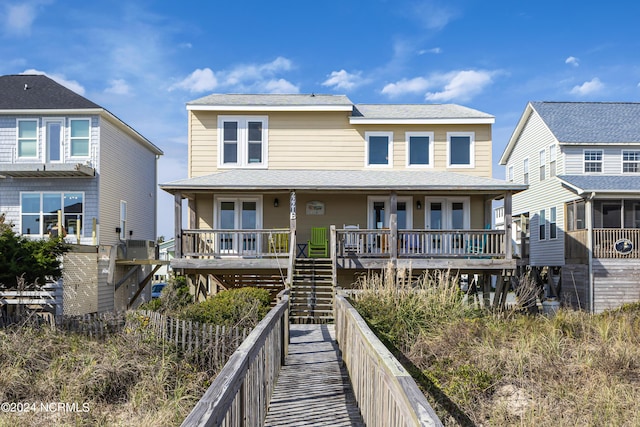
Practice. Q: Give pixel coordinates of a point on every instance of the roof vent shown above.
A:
(26, 86)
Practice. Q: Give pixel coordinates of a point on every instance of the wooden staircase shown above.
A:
(312, 291)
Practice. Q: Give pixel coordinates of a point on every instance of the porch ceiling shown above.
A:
(51, 170)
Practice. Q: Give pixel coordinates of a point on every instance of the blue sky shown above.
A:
(143, 60)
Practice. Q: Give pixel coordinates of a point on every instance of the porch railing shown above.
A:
(421, 243)
(616, 243)
(264, 243)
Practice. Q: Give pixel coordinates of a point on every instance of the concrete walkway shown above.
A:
(313, 388)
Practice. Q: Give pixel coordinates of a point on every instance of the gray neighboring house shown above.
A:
(63, 157)
(581, 212)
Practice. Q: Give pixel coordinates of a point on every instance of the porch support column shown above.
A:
(292, 236)
(507, 226)
(178, 224)
(588, 213)
(393, 227)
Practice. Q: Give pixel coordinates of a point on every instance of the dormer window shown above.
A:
(242, 141)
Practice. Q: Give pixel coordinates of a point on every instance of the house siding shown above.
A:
(611, 158)
(80, 276)
(310, 140)
(121, 159)
(616, 282)
(540, 195)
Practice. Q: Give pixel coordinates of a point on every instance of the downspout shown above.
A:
(589, 213)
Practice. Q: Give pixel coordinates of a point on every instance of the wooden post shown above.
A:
(393, 228)
(178, 224)
(94, 232)
(507, 225)
(292, 237)
(333, 254)
(588, 210)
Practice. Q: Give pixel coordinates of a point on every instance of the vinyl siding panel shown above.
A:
(326, 140)
(127, 172)
(540, 194)
(611, 158)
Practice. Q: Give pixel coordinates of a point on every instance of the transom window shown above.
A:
(592, 161)
(39, 212)
(379, 149)
(460, 149)
(27, 138)
(419, 149)
(79, 137)
(630, 161)
(242, 141)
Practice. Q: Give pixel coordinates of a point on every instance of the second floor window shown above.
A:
(79, 135)
(242, 141)
(379, 148)
(27, 138)
(543, 225)
(592, 161)
(552, 160)
(543, 161)
(510, 173)
(460, 151)
(525, 171)
(419, 149)
(630, 161)
(553, 229)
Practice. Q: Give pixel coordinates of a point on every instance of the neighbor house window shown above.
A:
(552, 160)
(39, 212)
(460, 149)
(576, 215)
(525, 171)
(28, 138)
(379, 148)
(79, 137)
(543, 223)
(123, 219)
(510, 173)
(593, 161)
(543, 161)
(630, 161)
(553, 229)
(242, 141)
(419, 149)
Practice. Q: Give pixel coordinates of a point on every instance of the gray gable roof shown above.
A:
(591, 122)
(418, 111)
(39, 92)
(602, 183)
(272, 100)
(280, 179)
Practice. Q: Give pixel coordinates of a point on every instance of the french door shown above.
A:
(239, 216)
(447, 214)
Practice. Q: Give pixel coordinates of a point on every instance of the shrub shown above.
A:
(242, 307)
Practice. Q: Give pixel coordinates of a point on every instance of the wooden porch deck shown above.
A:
(313, 388)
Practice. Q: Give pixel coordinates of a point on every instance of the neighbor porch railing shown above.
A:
(617, 243)
(422, 243)
(263, 243)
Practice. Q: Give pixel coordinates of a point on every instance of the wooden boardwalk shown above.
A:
(313, 388)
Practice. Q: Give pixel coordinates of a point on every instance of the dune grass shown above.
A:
(478, 367)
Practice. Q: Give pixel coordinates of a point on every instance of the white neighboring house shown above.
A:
(65, 158)
(581, 211)
(166, 252)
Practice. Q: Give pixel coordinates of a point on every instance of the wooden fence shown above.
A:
(240, 394)
(386, 393)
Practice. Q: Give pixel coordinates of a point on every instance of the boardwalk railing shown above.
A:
(240, 394)
(387, 395)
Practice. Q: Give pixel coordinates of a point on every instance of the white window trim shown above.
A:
(243, 198)
(45, 138)
(41, 193)
(387, 209)
(408, 136)
(446, 211)
(622, 163)
(472, 151)
(38, 132)
(542, 158)
(553, 158)
(542, 222)
(555, 221)
(601, 161)
(70, 138)
(243, 142)
(389, 136)
(510, 173)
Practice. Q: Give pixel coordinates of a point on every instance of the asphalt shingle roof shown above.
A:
(39, 92)
(603, 183)
(270, 100)
(418, 111)
(263, 179)
(591, 122)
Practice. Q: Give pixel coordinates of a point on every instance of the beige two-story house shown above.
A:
(278, 180)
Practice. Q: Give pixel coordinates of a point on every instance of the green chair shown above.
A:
(318, 246)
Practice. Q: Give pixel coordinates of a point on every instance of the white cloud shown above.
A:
(118, 87)
(19, 19)
(201, 80)
(431, 15)
(572, 60)
(415, 85)
(461, 85)
(588, 88)
(435, 50)
(241, 78)
(281, 86)
(343, 80)
(69, 84)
